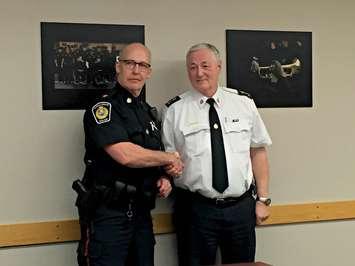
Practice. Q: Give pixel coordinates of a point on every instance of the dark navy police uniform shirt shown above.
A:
(120, 117)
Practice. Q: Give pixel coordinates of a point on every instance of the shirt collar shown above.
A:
(127, 96)
(201, 99)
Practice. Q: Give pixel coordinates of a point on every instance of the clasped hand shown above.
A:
(176, 166)
(164, 187)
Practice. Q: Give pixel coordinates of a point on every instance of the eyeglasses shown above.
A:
(131, 64)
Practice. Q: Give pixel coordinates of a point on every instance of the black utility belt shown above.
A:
(118, 189)
(90, 198)
(222, 202)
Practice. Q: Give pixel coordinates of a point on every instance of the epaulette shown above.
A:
(237, 91)
(110, 94)
(243, 93)
(172, 101)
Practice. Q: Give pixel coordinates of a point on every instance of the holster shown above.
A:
(87, 200)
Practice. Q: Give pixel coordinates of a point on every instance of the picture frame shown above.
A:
(274, 67)
(78, 61)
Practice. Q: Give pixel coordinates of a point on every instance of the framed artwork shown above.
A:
(78, 61)
(275, 67)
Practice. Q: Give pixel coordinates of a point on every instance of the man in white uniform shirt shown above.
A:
(209, 215)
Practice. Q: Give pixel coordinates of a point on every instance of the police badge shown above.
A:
(102, 112)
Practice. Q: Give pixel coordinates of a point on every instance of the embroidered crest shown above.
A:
(102, 112)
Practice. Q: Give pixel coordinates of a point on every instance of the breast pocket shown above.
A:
(238, 135)
(136, 134)
(195, 138)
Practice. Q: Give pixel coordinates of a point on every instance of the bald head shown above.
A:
(135, 47)
(133, 67)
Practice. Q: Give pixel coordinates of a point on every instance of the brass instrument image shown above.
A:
(274, 67)
(275, 70)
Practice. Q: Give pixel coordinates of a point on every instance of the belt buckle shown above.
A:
(220, 201)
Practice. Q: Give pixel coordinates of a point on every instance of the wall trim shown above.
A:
(68, 230)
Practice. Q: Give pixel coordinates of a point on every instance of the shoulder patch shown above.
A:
(102, 112)
(172, 101)
(243, 93)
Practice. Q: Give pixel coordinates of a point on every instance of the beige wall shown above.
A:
(311, 158)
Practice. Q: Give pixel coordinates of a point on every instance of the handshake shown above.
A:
(175, 166)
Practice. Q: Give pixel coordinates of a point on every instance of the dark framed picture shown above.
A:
(275, 67)
(78, 61)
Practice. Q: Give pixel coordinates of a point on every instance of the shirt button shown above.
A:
(129, 100)
(147, 131)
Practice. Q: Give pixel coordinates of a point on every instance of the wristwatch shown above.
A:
(266, 201)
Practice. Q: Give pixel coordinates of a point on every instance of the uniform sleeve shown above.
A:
(104, 131)
(168, 129)
(259, 137)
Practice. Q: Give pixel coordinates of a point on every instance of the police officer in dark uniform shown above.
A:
(123, 173)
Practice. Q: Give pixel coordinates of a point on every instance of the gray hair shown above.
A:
(208, 46)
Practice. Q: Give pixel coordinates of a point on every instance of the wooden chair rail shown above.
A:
(68, 230)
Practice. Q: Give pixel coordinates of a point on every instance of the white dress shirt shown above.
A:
(186, 130)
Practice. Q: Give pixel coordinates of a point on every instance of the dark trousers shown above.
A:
(182, 223)
(206, 226)
(117, 240)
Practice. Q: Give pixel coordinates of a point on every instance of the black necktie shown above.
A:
(219, 165)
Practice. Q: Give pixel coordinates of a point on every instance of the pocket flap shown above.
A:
(194, 128)
(241, 125)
